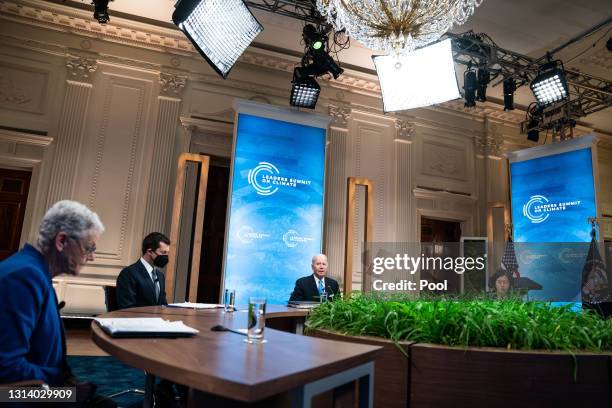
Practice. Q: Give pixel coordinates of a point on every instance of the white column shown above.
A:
(335, 190)
(405, 211)
(71, 127)
(160, 182)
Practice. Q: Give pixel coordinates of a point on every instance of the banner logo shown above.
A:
(538, 208)
(529, 211)
(246, 234)
(262, 170)
(292, 238)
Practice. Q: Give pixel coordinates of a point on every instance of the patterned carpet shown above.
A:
(111, 376)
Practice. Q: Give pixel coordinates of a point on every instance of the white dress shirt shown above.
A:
(149, 269)
(317, 281)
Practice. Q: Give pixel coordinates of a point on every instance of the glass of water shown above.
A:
(228, 300)
(256, 320)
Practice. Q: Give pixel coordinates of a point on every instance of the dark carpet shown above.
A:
(111, 376)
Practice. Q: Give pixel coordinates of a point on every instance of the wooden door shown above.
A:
(14, 187)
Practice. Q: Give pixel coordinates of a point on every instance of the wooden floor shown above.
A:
(79, 343)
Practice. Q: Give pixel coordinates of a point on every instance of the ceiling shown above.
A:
(529, 27)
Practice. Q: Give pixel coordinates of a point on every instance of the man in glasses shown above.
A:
(32, 338)
(143, 282)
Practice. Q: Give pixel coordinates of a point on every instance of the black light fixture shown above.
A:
(220, 30)
(101, 11)
(316, 62)
(313, 38)
(550, 86)
(533, 133)
(509, 88)
(484, 77)
(469, 87)
(304, 90)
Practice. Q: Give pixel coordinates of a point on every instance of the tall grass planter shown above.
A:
(542, 356)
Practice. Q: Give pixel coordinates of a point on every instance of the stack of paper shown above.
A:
(144, 327)
(189, 305)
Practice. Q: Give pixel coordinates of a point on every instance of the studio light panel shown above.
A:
(305, 93)
(549, 88)
(421, 78)
(221, 30)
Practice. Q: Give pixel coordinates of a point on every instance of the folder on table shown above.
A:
(190, 305)
(144, 327)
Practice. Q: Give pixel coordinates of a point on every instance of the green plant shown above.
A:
(479, 322)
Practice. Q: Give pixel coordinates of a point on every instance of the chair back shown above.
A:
(110, 298)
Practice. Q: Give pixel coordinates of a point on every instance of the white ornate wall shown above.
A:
(103, 112)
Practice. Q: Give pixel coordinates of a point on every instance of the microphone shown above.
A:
(221, 328)
(61, 305)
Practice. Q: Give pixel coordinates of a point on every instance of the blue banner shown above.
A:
(552, 198)
(276, 213)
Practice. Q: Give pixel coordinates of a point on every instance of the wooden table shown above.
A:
(287, 367)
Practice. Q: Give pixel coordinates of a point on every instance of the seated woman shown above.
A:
(502, 282)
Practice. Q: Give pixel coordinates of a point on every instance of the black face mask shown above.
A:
(161, 261)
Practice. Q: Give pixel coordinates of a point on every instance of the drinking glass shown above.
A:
(256, 320)
(228, 300)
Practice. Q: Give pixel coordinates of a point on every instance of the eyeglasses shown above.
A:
(87, 249)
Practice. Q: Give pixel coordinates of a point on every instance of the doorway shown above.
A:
(14, 187)
(434, 233)
(213, 236)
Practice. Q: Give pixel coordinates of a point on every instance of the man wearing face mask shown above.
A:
(143, 283)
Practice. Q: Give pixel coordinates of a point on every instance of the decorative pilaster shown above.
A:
(335, 191)
(71, 126)
(162, 163)
(405, 210)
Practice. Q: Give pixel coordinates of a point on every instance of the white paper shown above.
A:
(144, 325)
(189, 305)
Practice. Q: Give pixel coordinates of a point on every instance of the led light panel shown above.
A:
(549, 87)
(221, 30)
(421, 78)
(305, 93)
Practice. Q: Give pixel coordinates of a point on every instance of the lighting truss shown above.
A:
(587, 94)
(304, 10)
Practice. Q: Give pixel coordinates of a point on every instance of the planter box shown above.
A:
(492, 377)
(391, 369)
(439, 376)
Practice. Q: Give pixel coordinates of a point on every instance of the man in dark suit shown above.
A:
(143, 283)
(312, 287)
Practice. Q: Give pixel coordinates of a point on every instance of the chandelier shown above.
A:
(397, 26)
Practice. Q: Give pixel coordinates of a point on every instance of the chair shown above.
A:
(110, 299)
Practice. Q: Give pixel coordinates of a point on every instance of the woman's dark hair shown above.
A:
(153, 240)
(499, 274)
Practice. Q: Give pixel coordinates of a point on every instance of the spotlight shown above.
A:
(220, 30)
(509, 88)
(484, 77)
(420, 78)
(313, 38)
(550, 86)
(469, 87)
(304, 90)
(101, 11)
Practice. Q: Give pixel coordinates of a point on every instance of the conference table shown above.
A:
(221, 369)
